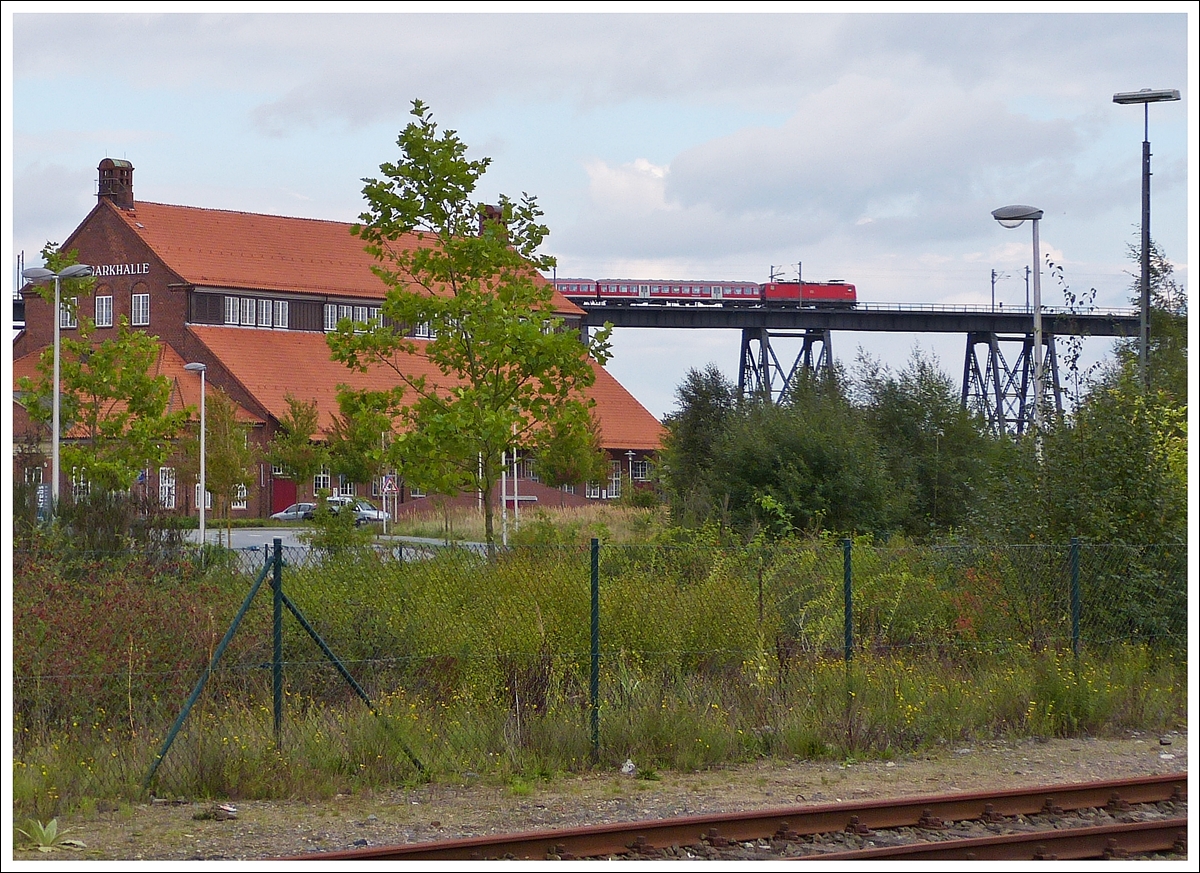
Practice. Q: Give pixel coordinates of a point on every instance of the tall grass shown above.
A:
(610, 523)
(664, 720)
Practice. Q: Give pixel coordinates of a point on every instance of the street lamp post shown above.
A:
(200, 368)
(1146, 96)
(37, 275)
(630, 454)
(1015, 216)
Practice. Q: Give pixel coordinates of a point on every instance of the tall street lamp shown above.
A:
(200, 368)
(38, 275)
(1015, 216)
(1146, 96)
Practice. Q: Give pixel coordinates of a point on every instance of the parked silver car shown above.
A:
(364, 512)
(295, 512)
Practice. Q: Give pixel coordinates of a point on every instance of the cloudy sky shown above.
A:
(869, 147)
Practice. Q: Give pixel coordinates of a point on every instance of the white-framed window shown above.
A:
(321, 480)
(330, 316)
(374, 315)
(231, 310)
(140, 313)
(277, 469)
(67, 313)
(641, 470)
(568, 489)
(248, 309)
(104, 311)
(423, 331)
(80, 486)
(527, 469)
(592, 490)
(166, 487)
(281, 313)
(207, 497)
(614, 479)
(240, 497)
(33, 476)
(264, 313)
(345, 486)
(345, 311)
(377, 487)
(360, 314)
(414, 491)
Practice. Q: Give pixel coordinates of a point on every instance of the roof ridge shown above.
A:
(238, 212)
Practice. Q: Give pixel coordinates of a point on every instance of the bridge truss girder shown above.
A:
(1003, 394)
(762, 372)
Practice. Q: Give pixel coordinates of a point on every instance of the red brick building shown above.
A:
(252, 296)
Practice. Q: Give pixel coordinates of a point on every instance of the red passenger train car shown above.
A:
(835, 293)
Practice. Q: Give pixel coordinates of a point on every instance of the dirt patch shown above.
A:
(271, 829)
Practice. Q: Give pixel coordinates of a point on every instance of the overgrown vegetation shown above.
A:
(711, 653)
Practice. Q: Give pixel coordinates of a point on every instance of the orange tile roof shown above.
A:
(271, 364)
(185, 386)
(246, 250)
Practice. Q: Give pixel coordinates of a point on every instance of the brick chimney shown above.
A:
(490, 215)
(116, 182)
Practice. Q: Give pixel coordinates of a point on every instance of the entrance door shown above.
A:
(283, 494)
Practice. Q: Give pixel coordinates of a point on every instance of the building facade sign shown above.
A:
(120, 269)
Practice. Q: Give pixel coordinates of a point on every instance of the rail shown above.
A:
(789, 831)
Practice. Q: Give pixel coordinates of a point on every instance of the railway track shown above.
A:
(1115, 818)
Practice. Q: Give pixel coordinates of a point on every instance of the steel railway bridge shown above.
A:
(997, 385)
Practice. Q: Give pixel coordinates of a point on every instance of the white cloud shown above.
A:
(49, 200)
(638, 186)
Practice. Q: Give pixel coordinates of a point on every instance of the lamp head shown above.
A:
(1015, 216)
(195, 368)
(1147, 95)
(75, 271)
(37, 275)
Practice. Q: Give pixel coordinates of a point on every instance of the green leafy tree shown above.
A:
(570, 452)
(816, 458)
(230, 456)
(508, 371)
(360, 433)
(293, 448)
(113, 407)
(1167, 351)
(936, 451)
(706, 404)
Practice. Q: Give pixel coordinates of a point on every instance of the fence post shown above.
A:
(595, 683)
(277, 638)
(1076, 604)
(849, 642)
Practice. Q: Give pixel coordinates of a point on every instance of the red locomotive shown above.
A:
(834, 293)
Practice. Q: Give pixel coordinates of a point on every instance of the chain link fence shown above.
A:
(381, 662)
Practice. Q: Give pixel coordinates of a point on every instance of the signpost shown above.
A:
(390, 488)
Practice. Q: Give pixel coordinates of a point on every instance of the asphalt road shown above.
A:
(257, 537)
